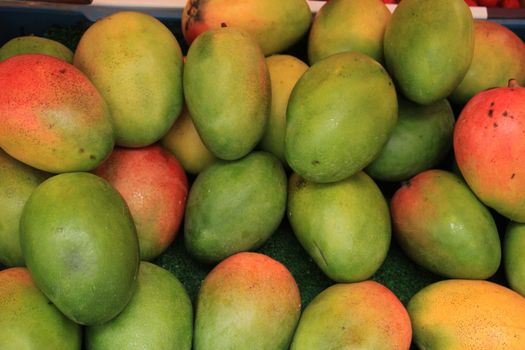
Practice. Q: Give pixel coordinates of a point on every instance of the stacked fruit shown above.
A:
(96, 145)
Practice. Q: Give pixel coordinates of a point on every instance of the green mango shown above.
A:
(442, 226)
(340, 114)
(344, 226)
(513, 247)
(234, 206)
(35, 44)
(227, 91)
(428, 47)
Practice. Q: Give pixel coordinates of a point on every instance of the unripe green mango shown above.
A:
(428, 47)
(234, 206)
(344, 226)
(35, 44)
(227, 91)
(135, 62)
(513, 248)
(348, 25)
(340, 115)
(442, 226)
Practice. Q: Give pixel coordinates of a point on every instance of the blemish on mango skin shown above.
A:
(490, 113)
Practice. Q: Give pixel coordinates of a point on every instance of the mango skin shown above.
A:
(285, 71)
(342, 25)
(336, 122)
(467, 314)
(361, 315)
(513, 245)
(18, 182)
(344, 226)
(234, 206)
(248, 301)
(489, 146)
(442, 226)
(499, 55)
(276, 25)
(35, 44)
(428, 47)
(29, 320)
(80, 244)
(135, 62)
(227, 91)
(420, 140)
(159, 316)
(51, 116)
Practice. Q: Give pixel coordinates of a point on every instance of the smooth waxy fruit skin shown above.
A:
(513, 247)
(348, 25)
(276, 25)
(80, 244)
(135, 62)
(234, 206)
(489, 146)
(428, 47)
(17, 184)
(248, 301)
(29, 320)
(467, 314)
(441, 225)
(362, 315)
(159, 316)
(340, 115)
(35, 44)
(344, 226)
(51, 116)
(227, 91)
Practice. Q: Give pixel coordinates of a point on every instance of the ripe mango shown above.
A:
(428, 47)
(80, 244)
(340, 114)
(227, 90)
(348, 25)
(276, 25)
(461, 314)
(135, 62)
(51, 116)
(248, 301)
(361, 315)
(344, 226)
(35, 44)
(513, 247)
(441, 225)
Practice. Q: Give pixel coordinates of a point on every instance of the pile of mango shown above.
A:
(110, 151)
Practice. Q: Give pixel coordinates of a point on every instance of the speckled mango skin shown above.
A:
(363, 315)
(489, 146)
(248, 301)
(462, 314)
(51, 116)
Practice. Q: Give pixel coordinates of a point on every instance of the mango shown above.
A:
(35, 44)
(344, 226)
(29, 320)
(247, 301)
(514, 264)
(183, 141)
(155, 187)
(159, 316)
(135, 62)
(361, 315)
(284, 71)
(340, 115)
(275, 25)
(421, 138)
(234, 206)
(51, 116)
(489, 146)
(442, 226)
(80, 245)
(499, 55)
(428, 47)
(348, 25)
(227, 91)
(18, 182)
(467, 314)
